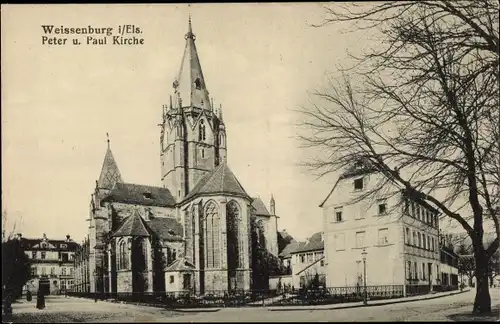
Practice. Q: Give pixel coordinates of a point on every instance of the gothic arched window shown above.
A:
(212, 235)
(234, 243)
(123, 255)
(201, 131)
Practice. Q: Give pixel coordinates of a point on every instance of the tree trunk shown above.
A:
(482, 302)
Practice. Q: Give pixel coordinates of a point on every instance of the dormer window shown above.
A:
(197, 84)
(358, 184)
(147, 195)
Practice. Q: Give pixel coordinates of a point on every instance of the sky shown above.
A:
(260, 61)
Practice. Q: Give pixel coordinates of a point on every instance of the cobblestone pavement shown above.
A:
(60, 309)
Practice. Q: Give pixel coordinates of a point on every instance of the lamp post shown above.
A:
(363, 254)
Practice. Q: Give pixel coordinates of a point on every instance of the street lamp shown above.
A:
(363, 254)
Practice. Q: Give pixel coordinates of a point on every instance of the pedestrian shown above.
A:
(28, 296)
(40, 299)
(8, 304)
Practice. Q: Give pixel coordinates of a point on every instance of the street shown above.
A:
(60, 309)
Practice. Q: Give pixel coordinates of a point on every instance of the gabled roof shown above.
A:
(180, 265)
(166, 228)
(285, 236)
(133, 225)
(220, 181)
(110, 174)
(314, 243)
(357, 168)
(291, 248)
(140, 195)
(260, 207)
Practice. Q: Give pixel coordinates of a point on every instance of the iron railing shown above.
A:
(259, 298)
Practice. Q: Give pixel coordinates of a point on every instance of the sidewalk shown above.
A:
(370, 303)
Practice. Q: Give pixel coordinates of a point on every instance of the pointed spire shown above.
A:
(190, 83)
(110, 174)
(272, 205)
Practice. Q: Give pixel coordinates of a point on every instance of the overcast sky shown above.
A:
(58, 102)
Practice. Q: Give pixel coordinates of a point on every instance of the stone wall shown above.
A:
(215, 280)
(124, 281)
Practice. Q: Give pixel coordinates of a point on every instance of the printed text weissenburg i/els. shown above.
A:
(122, 35)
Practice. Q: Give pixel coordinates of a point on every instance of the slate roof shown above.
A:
(133, 225)
(166, 228)
(140, 195)
(35, 244)
(358, 167)
(220, 181)
(285, 236)
(110, 174)
(291, 248)
(314, 243)
(260, 207)
(180, 265)
(191, 87)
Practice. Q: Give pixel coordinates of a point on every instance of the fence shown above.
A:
(259, 298)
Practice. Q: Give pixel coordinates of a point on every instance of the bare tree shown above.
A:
(423, 111)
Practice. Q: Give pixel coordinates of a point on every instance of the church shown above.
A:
(197, 232)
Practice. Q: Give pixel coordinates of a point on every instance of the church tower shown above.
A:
(98, 220)
(193, 136)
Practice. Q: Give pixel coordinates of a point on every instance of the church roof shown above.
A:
(110, 174)
(190, 84)
(140, 195)
(260, 207)
(180, 265)
(133, 225)
(166, 228)
(220, 181)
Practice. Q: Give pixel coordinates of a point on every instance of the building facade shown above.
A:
(194, 233)
(52, 267)
(81, 265)
(389, 225)
(308, 263)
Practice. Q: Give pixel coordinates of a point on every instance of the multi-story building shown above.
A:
(308, 262)
(52, 268)
(370, 222)
(449, 267)
(81, 264)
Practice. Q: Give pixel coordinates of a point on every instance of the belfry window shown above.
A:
(197, 84)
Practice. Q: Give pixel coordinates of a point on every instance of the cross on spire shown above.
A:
(107, 138)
